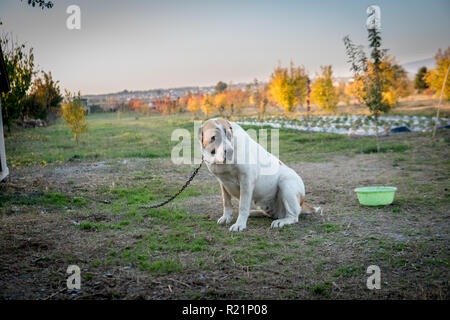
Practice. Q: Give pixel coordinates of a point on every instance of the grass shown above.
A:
(329, 227)
(56, 199)
(347, 272)
(97, 213)
(107, 138)
(322, 289)
(150, 137)
(319, 147)
(147, 193)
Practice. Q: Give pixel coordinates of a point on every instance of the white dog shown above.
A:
(245, 170)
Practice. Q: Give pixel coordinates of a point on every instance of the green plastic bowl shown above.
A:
(376, 196)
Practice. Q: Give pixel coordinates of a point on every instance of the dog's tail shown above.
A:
(306, 208)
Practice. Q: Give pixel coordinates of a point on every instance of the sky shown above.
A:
(141, 45)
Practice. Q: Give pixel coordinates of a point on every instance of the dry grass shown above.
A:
(88, 213)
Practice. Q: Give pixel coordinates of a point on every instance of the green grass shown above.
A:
(150, 137)
(99, 226)
(147, 193)
(395, 147)
(187, 241)
(329, 228)
(322, 289)
(107, 138)
(318, 147)
(54, 199)
(348, 272)
(177, 237)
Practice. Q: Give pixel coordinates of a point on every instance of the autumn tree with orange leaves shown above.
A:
(207, 105)
(168, 105)
(194, 103)
(237, 100)
(258, 98)
(288, 86)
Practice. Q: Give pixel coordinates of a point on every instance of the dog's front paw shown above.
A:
(282, 222)
(277, 224)
(237, 227)
(225, 219)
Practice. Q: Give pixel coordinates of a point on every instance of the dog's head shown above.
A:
(216, 138)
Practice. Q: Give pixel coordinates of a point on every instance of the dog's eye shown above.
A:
(213, 138)
(213, 152)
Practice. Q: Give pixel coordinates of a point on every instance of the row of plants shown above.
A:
(357, 124)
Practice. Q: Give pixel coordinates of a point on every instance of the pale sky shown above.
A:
(139, 45)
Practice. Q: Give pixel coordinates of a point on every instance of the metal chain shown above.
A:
(194, 173)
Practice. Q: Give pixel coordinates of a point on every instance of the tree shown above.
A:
(258, 98)
(288, 87)
(182, 102)
(74, 114)
(323, 93)
(168, 105)
(193, 104)
(263, 105)
(237, 99)
(395, 83)
(40, 3)
(435, 78)
(354, 89)
(220, 102)
(369, 73)
(343, 93)
(207, 105)
(419, 81)
(221, 87)
(20, 69)
(395, 80)
(308, 97)
(45, 96)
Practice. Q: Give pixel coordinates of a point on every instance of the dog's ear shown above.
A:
(227, 126)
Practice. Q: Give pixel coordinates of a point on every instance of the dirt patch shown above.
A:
(325, 255)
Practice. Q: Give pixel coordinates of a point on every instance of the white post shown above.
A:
(439, 104)
(3, 168)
